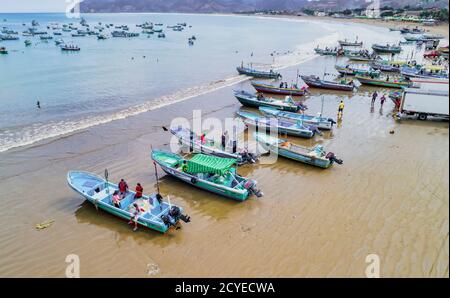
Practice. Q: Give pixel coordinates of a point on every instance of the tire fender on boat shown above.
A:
(194, 180)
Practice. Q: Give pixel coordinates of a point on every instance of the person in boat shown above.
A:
(341, 109)
(281, 85)
(139, 191)
(123, 188)
(223, 141)
(116, 199)
(260, 96)
(135, 216)
(374, 97)
(203, 138)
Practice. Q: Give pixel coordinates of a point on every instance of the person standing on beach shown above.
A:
(374, 97)
(341, 109)
(382, 99)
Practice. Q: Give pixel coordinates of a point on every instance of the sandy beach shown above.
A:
(390, 198)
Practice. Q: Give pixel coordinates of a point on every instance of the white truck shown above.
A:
(431, 99)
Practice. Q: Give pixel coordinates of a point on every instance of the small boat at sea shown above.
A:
(59, 41)
(346, 43)
(383, 82)
(70, 48)
(281, 126)
(3, 50)
(78, 35)
(269, 88)
(352, 70)
(321, 122)
(46, 37)
(427, 71)
(387, 48)
(28, 42)
(8, 37)
(315, 156)
(255, 101)
(316, 82)
(102, 37)
(211, 173)
(258, 73)
(154, 212)
(161, 35)
(412, 31)
(191, 140)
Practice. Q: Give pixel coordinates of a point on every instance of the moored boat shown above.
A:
(252, 100)
(345, 42)
(3, 50)
(192, 141)
(427, 71)
(258, 73)
(153, 212)
(211, 173)
(383, 82)
(316, 82)
(315, 156)
(388, 66)
(387, 48)
(352, 70)
(318, 121)
(281, 126)
(72, 48)
(269, 88)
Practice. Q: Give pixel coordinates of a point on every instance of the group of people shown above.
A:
(120, 194)
(375, 96)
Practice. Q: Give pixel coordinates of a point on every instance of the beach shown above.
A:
(390, 197)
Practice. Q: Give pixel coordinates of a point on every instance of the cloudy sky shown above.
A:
(34, 5)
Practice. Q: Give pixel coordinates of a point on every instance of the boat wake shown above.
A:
(12, 138)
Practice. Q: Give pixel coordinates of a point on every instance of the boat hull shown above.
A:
(258, 74)
(322, 123)
(254, 103)
(324, 85)
(276, 90)
(380, 83)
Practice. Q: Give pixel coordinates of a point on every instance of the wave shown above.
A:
(29, 135)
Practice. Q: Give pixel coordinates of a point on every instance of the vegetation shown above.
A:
(440, 15)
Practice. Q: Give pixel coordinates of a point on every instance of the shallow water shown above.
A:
(390, 197)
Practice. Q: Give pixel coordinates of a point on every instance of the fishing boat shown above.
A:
(70, 48)
(411, 31)
(427, 71)
(363, 56)
(258, 73)
(59, 41)
(318, 121)
(346, 43)
(269, 88)
(57, 33)
(102, 37)
(387, 48)
(255, 101)
(316, 82)
(281, 126)
(383, 82)
(9, 37)
(154, 212)
(413, 37)
(191, 140)
(3, 50)
(352, 70)
(78, 35)
(28, 42)
(388, 66)
(161, 35)
(315, 156)
(215, 174)
(329, 52)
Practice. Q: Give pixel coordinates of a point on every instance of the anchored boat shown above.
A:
(428, 71)
(387, 48)
(3, 50)
(268, 88)
(383, 82)
(352, 70)
(258, 73)
(283, 127)
(191, 140)
(214, 174)
(255, 101)
(154, 213)
(315, 156)
(321, 122)
(345, 42)
(316, 82)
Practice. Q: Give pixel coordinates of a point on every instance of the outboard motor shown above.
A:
(248, 157)
(315, 130)
(332, 121)
(250, 185)
(175, 212)
(331, 157)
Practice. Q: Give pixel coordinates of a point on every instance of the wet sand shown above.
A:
(390, 197)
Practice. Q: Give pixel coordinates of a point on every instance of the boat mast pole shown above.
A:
(321, 109)
(156, 174)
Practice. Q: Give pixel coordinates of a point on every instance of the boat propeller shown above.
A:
(331, 157)
(250, 185)
(172, 217)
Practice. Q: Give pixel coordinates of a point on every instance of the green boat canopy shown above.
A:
(201, 163)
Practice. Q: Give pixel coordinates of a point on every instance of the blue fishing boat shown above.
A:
(211, 173)
(258, 73)
(191, 140)
(252, 100)
(154, 213)
(321, 122)
(283, 127)
(315, 156)
(427, 71)
(294, 90)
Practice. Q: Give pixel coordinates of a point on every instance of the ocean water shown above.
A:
(119, 77)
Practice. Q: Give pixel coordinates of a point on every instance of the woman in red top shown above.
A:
(139, 191)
